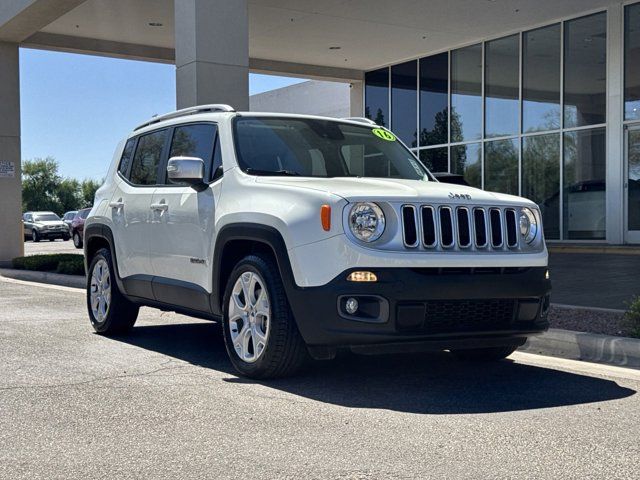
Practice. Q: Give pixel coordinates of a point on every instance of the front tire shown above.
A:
(109, 311)
(491, 354)
(260, 333)
(77, 241)
(34, 236)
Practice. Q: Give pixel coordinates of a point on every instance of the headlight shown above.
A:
(528, 225)
(366, 221)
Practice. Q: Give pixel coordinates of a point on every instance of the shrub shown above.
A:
(68, 263)
(632, 317)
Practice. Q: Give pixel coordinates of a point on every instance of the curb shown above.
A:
(73, 281)
(589, 347)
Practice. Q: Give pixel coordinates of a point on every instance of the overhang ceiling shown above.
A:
(370, 33)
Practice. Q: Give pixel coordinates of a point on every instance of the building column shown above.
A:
(615, 132)
(357, 99)
(212, 53)
(11, 232)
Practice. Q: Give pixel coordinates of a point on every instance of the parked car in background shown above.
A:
(77, 227)
(44, 226)
(68, 217)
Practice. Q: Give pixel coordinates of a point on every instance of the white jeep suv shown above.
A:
(304, 235)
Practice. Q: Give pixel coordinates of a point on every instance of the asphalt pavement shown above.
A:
(164, 402)
(48, 247)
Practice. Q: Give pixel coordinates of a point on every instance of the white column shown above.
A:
(615, 133)
(11, 234)
(357, 99)
(212, 52)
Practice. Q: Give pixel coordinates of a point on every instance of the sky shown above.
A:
(76, 108)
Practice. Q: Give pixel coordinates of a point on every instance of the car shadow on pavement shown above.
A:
(426, 383)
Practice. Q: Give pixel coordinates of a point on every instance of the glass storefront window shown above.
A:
(631, 63)
(466, 94)
(434, 100)
(376, 96)
(404, 101)
(541, 79)
(541, 178)
(435, 159)
(501, 166)
(466, 160)
(502, 87)
(584, 185)
(585, 71)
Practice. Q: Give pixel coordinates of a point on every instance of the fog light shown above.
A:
(351, 306)
(362, 277)
(546, 275)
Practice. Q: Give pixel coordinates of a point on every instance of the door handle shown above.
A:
(119, 204)
(159, 206)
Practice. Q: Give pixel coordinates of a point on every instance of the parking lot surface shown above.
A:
(48, 247)
(164, 402)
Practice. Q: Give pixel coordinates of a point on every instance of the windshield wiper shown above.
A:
(257, 171)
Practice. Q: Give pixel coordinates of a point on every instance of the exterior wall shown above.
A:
(330, 99)
(11, 233)
(612, 145)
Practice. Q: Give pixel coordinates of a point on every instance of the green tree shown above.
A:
(40, 181)
(88, 191)
(69, 195)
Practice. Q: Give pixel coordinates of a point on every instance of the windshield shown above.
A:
(46, 217)
(321, 148)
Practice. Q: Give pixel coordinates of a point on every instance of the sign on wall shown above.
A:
(7, 169)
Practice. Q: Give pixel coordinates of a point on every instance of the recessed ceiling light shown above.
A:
(335, 48)
(155, 24)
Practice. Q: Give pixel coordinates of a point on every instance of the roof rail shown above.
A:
(215, 107)
(368, 121)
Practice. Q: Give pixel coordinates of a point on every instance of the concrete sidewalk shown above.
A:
(601, 280)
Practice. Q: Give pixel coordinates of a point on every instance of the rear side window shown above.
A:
(127, 154)
(195, 141)
(144, 170)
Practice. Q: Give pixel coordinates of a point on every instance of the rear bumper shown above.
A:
(448, 308)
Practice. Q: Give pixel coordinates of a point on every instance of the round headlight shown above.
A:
(366, 221)
(528, 225)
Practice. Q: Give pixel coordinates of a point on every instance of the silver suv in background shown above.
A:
(44, 226)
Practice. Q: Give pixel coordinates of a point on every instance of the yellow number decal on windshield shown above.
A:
(384, 135)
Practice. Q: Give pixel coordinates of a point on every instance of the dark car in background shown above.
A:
(68, 217)
(44, 226)
(77, 227)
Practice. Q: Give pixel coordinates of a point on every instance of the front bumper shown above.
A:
(47, 234)
(448, 307)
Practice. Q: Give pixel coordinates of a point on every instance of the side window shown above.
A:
(195, 141)
(127, 154)
(144, 170)
(217, 158)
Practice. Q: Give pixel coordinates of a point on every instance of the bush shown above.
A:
(632, 317)
(68, 263)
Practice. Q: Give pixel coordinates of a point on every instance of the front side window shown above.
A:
(144, 170)
(321, 148)
(195, 141)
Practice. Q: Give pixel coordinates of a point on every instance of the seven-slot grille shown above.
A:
(449, 227)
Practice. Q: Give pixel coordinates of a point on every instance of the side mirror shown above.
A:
(189, 170)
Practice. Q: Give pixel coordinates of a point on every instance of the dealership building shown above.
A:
(539, 98)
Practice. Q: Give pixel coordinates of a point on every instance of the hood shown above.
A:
(394, 190)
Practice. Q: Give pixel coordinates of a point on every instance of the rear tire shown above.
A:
(260, 333)
(109, 311)
(77, 241)
(491, 354)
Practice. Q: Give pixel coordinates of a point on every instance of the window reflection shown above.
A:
(435, 159)
(585, 71)
(541, 178)
(541, 79)
(404, 99)
(466, 160)
(501, 166)
(584, 184)
(376, 96)
(631, 63)
(434, 104)
(502, 86)
(466, 94)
